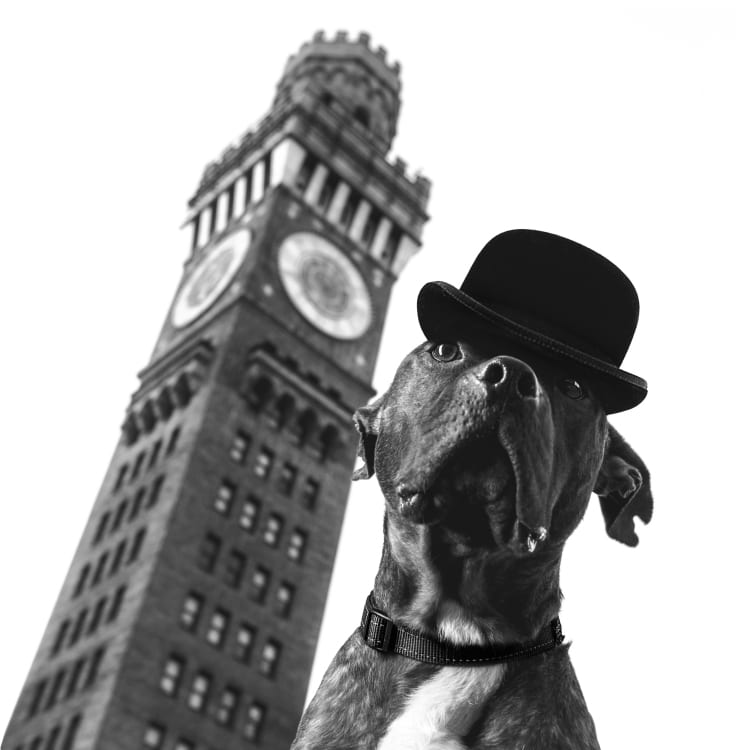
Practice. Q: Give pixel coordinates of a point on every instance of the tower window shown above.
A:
(199, 691)
(36, 699)
(368, 232)
(173, 440)
(240, 447)
(227, 707)
(100, 529)
(117, 559)
(284, 598)
(287, 478)
(310, 493)
(101, 564)
(55, 688)
(78, 627)
(327, 191)
(269, 658)
(96, 662)
(52, 738)
(153, 496)
(263, 463)
(114, 610)
(82, 578)
(154, 457)
(96, 618)
(70, 733)
(191, 611)
(75, 676)
(305, 173)
(362, 116)
(172, 674)
(272, 532)
(137, 465)
(135, 508)
(153, 738)
(208, 552)
(249, 514)
(256, 713)
(349, 209)
(135, 549)
(259, 584)
(297, 542)
(244, 640)
(217, 627)
(235, 568)
(121, 474)
(391, 244)
(62, 631)
(224, 498)
(119, 515)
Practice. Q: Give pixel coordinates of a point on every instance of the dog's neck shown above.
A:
(478, 597)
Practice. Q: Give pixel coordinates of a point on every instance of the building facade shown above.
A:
(190, 614)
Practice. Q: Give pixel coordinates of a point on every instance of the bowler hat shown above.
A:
(553, 295)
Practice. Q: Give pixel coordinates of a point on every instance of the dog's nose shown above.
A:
(509, 373)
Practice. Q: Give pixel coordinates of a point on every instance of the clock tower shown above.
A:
(190, 615)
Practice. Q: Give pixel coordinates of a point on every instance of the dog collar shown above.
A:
(382, 634)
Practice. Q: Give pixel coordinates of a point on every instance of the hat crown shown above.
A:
(557, 287)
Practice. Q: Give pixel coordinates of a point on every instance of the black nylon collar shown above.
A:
(382, 634)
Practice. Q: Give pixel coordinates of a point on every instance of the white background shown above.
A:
(621, 125)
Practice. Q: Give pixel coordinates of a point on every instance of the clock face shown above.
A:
(324, 285)
(210, 278)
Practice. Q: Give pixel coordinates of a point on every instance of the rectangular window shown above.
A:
(191, 611)
(235, 568)
(269, 657)
(310, 493)
(173, 440)
(75, 676)
(135, 508)
(82, 578)
(208, 552)
(137, 465)
(256, 713)
(284, 598)
(249, 514)
(227, 706)
(100, 529)
(217, 627)
(96, 662)
(153, 496)
(135, 548)
(199, 691)
(54, 691)
(297, 543)
(327, 191)
(153, 737)
(52, 739)
(368, 233)
(391, 245)
(287, 478)
(263, 463)
(240, 447)
(101, 564)
(36, 698)
(155, 451)
(243, 644)
(350, 207)
(70, 733)
(224, 498)
(96, 618)
(75, 634)
(272, 532)
(259, 585)
(305, 174)
(62, 631)
(114, 610)
(117, 558)
(172, 674)
(119, 515)
(121, 474)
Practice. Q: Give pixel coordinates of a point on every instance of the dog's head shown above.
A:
(502, 451)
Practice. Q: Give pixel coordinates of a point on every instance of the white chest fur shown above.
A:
(443, 709)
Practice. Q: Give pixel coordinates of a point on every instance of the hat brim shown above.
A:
(444, 311)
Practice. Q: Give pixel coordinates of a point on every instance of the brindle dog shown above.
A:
(487, 463)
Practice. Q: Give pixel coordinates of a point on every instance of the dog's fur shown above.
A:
(487, 465)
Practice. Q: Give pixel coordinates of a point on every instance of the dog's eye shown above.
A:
(572, 388)
(445, 352)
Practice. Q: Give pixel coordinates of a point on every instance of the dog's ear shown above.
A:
(624, 489)
(367, 422)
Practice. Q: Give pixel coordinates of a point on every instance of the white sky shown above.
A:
(623, 126)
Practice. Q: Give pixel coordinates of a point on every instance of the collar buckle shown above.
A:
(379, 631)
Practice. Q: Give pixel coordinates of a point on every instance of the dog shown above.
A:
(487, 450)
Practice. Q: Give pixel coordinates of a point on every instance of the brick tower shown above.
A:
(190, 614)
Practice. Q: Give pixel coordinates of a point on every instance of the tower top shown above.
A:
(351, 73)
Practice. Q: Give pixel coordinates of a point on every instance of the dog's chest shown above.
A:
(443, 709)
